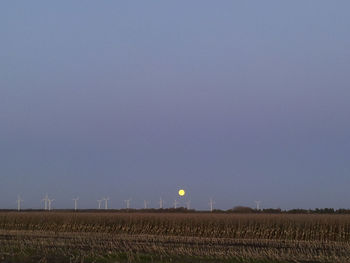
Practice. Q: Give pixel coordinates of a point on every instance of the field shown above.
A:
(172, 237)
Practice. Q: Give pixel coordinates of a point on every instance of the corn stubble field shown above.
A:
(172, 237)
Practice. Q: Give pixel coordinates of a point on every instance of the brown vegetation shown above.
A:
(78, 237)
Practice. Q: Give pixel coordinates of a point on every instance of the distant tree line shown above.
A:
(244, 209)
(236, 209)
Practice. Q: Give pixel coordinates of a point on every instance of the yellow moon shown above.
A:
(182, 192)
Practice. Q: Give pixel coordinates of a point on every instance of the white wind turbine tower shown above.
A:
(49, 202)
(19, 200)
(145, 204)
(76, 203)
(257, 205)
(99, 203)
(161, 203)
(188, 204)
(211, 204)
(175, 203)
(127, 203)
(106, 202)
(46, 200)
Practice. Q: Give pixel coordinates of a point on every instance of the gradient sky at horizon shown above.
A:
(235, 100)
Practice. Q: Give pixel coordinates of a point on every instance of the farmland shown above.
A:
(173, 237)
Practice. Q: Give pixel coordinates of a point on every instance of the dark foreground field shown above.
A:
(160, 237)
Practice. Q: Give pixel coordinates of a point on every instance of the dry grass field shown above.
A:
(172, 237)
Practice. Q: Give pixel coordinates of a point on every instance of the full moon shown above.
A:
(181, 192)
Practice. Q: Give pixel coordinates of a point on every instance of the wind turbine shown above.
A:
(76, 203)
(145, 203)
(257, 205)
(161, 203)
(175, 203)
(211, 204)
(127, 203)
(19, 200)
(49, 202)
(99, 203)
(106, 202)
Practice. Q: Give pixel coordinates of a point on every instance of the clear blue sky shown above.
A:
(235, 100)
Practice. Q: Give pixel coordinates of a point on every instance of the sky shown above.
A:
(234, 100)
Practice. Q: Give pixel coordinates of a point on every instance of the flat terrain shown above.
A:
(172, 237)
